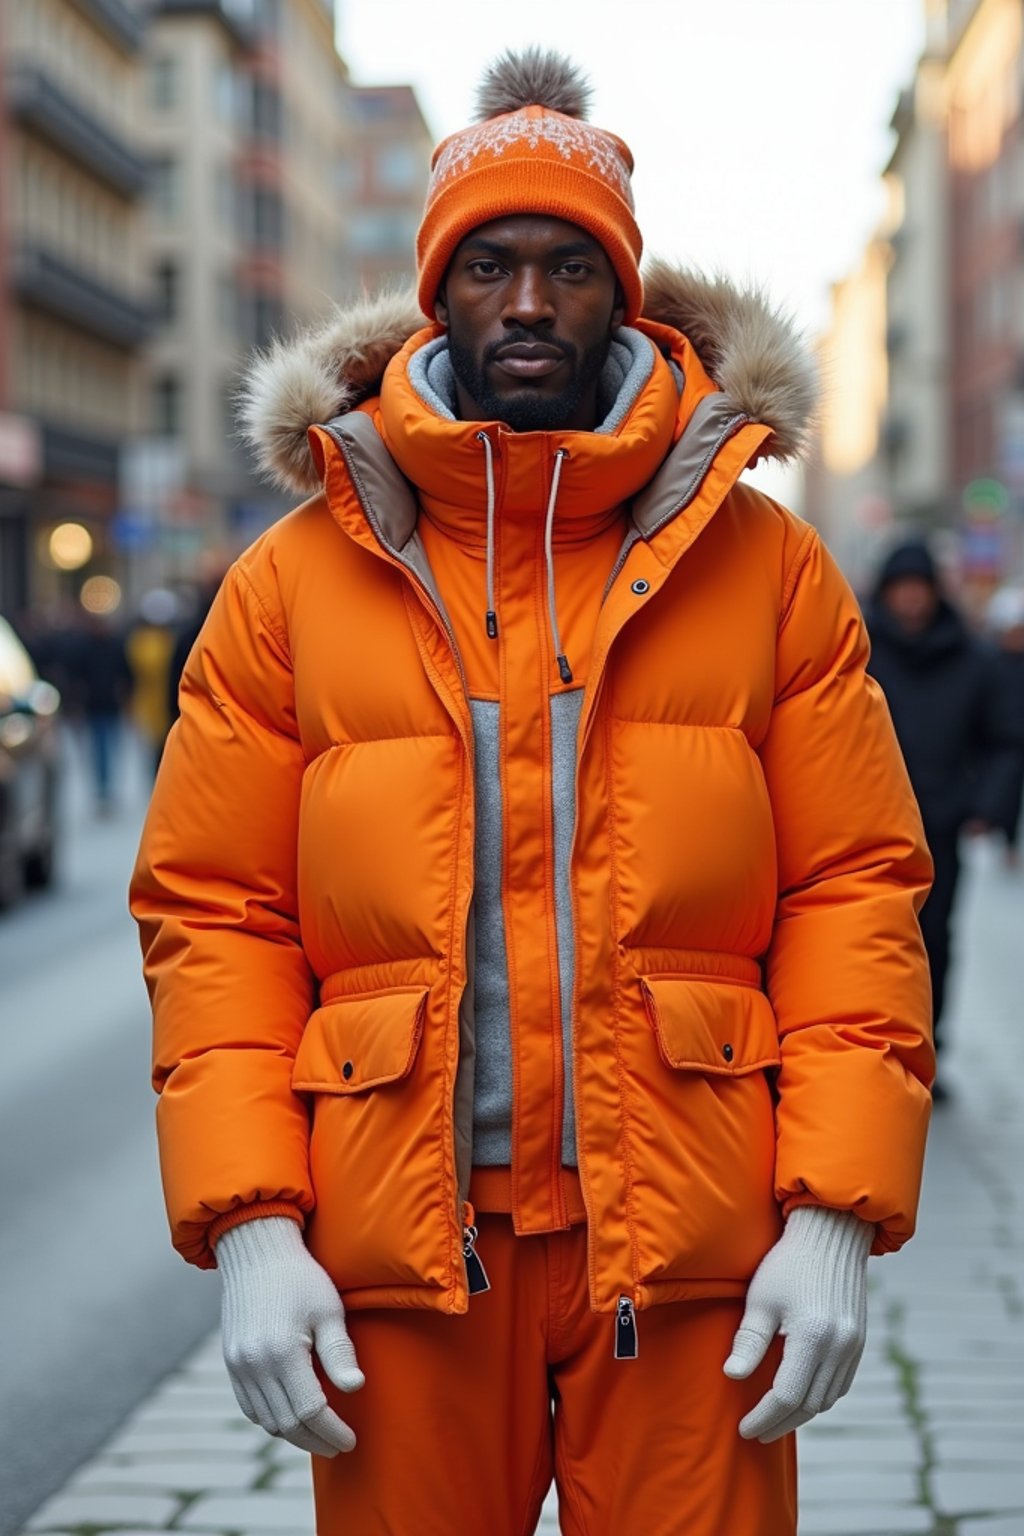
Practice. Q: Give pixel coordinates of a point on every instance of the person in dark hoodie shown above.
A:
(1006, 623)
(954, 724)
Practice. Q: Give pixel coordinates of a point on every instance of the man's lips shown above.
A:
(524, 360)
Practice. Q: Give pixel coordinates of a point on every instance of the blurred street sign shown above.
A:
(151, 475)
(132, 533)
(1010, 440)
(21, 450)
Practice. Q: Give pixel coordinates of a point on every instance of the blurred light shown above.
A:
(986, 498)
(15, 730)
(100, 594)
(70, 546)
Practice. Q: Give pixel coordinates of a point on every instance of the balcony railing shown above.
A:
(231, 17)
(35, 101)
(48, 283)
(69, 455)
(121, 24)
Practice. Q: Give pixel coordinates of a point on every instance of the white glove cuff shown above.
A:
(264, 1240)
(833, 1248)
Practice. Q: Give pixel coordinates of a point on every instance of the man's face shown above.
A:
(912, 601)
(530, 304)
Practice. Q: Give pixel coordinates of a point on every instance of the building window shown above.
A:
(227, 91)
(227, 306)
(396, 168)
(163, 83)
(165, 188)
(168, 292)
(267, 217)
(167, 406)
(263, 318)
(266, 111)
(383, 232)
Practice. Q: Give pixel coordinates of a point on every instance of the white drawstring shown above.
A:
(491, 617)
(564, 669)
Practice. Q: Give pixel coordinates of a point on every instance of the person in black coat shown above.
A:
(954, 722)
(1006, 619)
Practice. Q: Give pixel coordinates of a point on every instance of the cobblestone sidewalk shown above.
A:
(930, 1441)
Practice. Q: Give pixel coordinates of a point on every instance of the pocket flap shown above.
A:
(705, 1026)
(355, 1043)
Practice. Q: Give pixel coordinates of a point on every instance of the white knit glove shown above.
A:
(812, 1288)
(277, 1305)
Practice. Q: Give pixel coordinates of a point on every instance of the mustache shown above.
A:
(524, 338)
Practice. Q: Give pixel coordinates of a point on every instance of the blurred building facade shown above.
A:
(186, 179)
(389, 171)
(73, 300)
(949, 456)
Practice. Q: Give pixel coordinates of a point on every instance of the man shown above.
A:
(529, 893)
(954, 724)
(1006, 623)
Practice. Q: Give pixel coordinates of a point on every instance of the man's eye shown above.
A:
(484, 268)
(574, 268)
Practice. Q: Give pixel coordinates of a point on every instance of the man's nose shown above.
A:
(529, 299)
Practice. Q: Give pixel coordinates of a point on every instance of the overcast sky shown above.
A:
(759, 127)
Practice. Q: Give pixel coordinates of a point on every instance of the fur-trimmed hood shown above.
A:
(749, 348)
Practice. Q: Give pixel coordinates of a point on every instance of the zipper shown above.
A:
(625, 1317)
(476, 1274)
(627, 1344)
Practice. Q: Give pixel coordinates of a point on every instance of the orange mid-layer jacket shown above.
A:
(749, 999)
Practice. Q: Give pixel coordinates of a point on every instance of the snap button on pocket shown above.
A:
(347, 1070)
(727, 1052)
(640, 586)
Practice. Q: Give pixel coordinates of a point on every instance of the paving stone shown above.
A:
(293, 1476)
(132, 1507)
(976, 1488)
(1014, 1526)
(266, 1511)
(864, 1520)
(192, 1476)
(860, 1519)
(844, 1485)
(155, 1440)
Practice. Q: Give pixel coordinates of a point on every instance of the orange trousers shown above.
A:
(464, 1421)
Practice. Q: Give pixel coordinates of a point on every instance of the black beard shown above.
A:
(528, 410)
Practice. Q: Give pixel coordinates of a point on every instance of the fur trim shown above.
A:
(749, 347)
(536, 77)
(322, 374)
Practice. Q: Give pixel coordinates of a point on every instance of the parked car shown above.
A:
(29, 769)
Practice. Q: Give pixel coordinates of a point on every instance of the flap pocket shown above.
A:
(711, 1026)
(355, 1043)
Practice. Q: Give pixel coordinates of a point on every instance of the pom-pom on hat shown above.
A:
(531, 151)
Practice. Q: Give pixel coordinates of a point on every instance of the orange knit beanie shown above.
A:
(531, 151)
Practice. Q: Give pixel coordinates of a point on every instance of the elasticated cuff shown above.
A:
(254, 1212)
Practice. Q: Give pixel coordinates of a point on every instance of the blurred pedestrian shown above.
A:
(954, 724)
(101, 688)
(1006, 621)
(528, 894)
(151, 642)
(213, 567)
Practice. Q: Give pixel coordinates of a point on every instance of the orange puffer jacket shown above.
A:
(750, 1007)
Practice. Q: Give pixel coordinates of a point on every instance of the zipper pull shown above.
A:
(476, 1275)
(627, 1345)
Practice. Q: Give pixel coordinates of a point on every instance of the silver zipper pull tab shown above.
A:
(627, 1345)
(476, 1275)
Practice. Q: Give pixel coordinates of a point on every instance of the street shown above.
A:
(96, 1307)
(113, 1367)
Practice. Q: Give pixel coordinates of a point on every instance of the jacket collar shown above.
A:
(727, 340)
